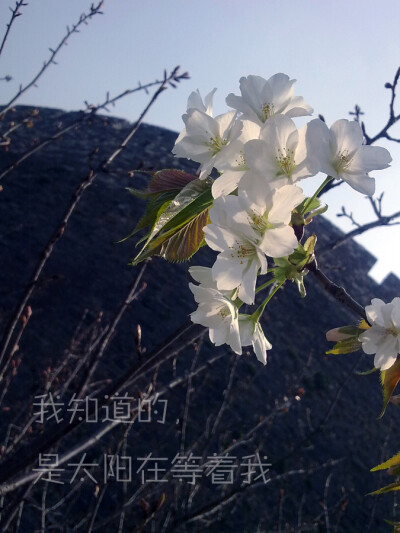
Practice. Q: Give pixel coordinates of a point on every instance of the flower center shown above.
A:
(342, 161)
(240, 161)
(216, 144)
(268, 110)
(242, 251)
(224, 312)
(260, 223)
(286, 162)
(393, 331)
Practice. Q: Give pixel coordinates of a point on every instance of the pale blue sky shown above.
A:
(340, 51)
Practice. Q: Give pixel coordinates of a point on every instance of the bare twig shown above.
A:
(187, 401)
(83, 19)
(381, 221)
(75, 201)
(133, 293)
(325, 504)
(43, 510)
(339, 293)
(393, 118)
(97, 507)
(84, 116)
(345, 214)
(24, 320)
(214, 506)
(14, 464)
(15, 13)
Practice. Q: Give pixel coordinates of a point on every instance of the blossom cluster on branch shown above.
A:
(257, 210)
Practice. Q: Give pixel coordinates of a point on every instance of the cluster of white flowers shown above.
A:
(260, 154)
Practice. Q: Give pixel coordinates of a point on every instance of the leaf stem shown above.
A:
(256, 315)
(315, 195)
(266, 284)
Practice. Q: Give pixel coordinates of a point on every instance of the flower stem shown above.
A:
(256, 315)
(266, 284)
(315, 195)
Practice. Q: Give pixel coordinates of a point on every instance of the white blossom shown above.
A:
(231, 162)
(278, 157)
(343, 155)
(195, 101)
(245, 230)
(218, 312)
(204, 137)
(251, 333)
(383, 337)
(261, 99)
(215, 311)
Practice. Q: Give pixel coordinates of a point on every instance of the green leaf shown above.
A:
(389, 380)
(192, 201)
(394, 471)
(165, 180)
(310, 244)
(315, 212)
(301, 287)
(366, 372)
(153, 208)
(393, 461)
(389, 488)
(396, 525)
(314, 204)
(164, 186)
(154, 216)
(186, 241)
(193, 198)
(345, 346)
(302, 255)
(169, 180)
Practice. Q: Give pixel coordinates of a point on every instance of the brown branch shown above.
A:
(75, 201)
(339, 293)
(393, 118)
(83, 19)
(214, 506)
(24, 320)
(110, 332)
(27, 454)
(15, 13)
(381, 221)
(84, 116)
(42, 262)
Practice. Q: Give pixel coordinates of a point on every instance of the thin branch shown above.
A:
(133, 293)
(43, 508)
(85, 116)
(15, 13)
(214, 506)
(381, 221)
(345, 214)
(28, 453)
(97, 507)
(83, 19)
(324, 420)
(224, 403)
(24, 321)
(339, 293)
(75, 201)
(187, 401)
(393, 118)
(325, 504)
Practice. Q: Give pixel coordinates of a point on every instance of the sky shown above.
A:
(341, 53)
